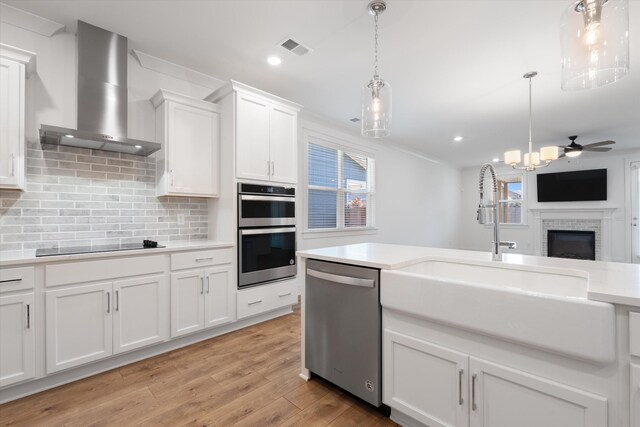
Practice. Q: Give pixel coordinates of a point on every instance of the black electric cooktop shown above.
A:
(147, 244)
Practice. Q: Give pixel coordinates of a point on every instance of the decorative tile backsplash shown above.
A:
(76, 196)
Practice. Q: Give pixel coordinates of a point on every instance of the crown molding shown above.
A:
(20, 55)
(28, 21)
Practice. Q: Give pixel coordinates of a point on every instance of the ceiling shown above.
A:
(455, 66)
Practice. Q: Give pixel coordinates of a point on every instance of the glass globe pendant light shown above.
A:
(376, 94)
(595, 43)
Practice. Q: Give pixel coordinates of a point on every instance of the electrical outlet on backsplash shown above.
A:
(76, 196)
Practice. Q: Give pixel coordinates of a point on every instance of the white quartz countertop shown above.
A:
(612, 282)
(10, 258)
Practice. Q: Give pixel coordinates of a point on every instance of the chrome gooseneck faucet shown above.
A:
(488, 212)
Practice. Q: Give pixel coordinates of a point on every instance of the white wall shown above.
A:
(478, 237)
(417, 200)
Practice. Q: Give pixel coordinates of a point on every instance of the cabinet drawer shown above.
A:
(261, 299)
(92, 271)
(195, 259)
(16, 279)
(634, 333)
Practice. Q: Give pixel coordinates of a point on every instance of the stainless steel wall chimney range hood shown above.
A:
(102, 97)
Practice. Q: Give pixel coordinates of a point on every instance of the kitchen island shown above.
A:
(526, 341)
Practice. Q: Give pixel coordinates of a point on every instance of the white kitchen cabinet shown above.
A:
(219, 302)
(635, 395)
(442, 387)
(268, 297)
(187, 302)
(425, 381)
(14, 65)
(263, 128)
(505, 397)
(17, 338)
(252, 138)
(140, 312)
(78, 325)
(189, 130)
(201, 299)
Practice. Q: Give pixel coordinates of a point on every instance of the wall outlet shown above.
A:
(180, 219)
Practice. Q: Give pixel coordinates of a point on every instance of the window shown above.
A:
(339, 188)
(511, 200)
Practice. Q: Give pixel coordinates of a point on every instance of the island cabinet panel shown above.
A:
(17, 339)
(505, 397)
(78, 325)
(635, 395)
(634, 334)
(425, 381)
(140, 312)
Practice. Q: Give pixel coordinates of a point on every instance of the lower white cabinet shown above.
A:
(505, 397)
(635, 395)
(17, 338)
(425, 381)
(88, 323)
(140, 312)
(261, 299)
(200, 299)
(443, 387)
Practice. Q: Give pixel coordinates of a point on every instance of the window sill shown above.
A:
(515, 226)
(319, 234)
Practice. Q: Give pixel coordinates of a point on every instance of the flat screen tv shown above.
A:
(586, 185)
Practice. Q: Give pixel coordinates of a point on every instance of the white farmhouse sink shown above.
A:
(546, 308)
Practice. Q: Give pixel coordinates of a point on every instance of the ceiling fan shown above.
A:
(574, 149)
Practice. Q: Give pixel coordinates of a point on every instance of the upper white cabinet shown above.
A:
(14, 65)
(189, 130)
(263, 128)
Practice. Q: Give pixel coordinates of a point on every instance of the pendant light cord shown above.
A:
(530, 121)
(375, 61)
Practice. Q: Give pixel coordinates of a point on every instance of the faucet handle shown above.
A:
(509, 245)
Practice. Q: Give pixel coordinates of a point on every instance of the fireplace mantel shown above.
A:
(602, 214)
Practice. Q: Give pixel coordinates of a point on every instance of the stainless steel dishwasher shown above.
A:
(343, 327)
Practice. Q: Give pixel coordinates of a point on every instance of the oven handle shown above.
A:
(267, 231)
(267, 198)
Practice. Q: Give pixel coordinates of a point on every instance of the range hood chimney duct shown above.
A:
(102, 97)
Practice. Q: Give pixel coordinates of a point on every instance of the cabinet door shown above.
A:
(219, 304)
(140, 312)
(17, 339)
(78, 325)
(282, 142)
(193, 150)
(635, 395)
(506, 397)
(187, 302)
(425, 381)
(11, 124)
(252, 138)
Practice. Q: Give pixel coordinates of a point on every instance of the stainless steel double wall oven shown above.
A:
(266, 234)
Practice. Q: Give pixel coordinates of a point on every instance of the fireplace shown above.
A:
(571, 244)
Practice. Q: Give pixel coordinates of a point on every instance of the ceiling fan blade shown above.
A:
(598, 144)
(598, 149)
(561, 155)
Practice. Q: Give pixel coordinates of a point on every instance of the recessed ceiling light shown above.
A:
(496, 160)
(274, 60)
(69, 136)
(138, 146)
(458, 138)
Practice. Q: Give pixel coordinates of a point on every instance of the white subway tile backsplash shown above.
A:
(76, 196)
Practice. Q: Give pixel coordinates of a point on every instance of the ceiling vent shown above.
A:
(296, 47)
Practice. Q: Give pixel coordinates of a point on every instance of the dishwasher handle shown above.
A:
(344, 280)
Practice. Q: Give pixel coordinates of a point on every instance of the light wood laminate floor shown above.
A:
(244, 378)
